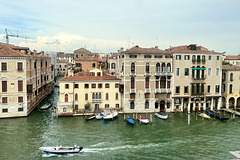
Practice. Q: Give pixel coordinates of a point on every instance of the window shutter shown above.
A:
(4, 66)
(4, 86)
(20, 85)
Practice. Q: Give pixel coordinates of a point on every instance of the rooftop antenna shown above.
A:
(13, 35)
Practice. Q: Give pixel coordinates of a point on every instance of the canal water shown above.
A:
(20, 138)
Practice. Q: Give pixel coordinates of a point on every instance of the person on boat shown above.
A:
(75, 146)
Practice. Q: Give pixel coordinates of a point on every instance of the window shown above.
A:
(66, 86)
(147, 56)
(158, 67)
(132, 67)
(186, 57)
(75, 85)
(186, 71)
(4, 110)
(20, 99)
(132, 105)
(116, 96)
(92, 74)
(64, 109)
(93, 85)
(132, 56)
(4, 100)
(107, 96)
(100, 85)
(4, 86)
(230, 89)
(98, 74)
(132, 82)
(203, 59)
(86, 97)
(147, 105)
(93, 65)
(177, 89)
(116, 85)
(178, 57)
(132, 96)
(193, 58)
(217, 89)
(106, 105)
(66, 97)
(147, 68)
(209, 71)
(186, 89)
(78, 65)
(209, 57)
(107, 85)
(178, 72)
(224, 88)
(198, 58)
(158, 56)
(217, 71)
(208, 89)
(147, 82)
(20, 109)
(76, 97)
(4, 66)
(156, 105)
(217, 57)
(86, 85)
(117, 106)
(113, 65)
(19, 66)
(231, 76)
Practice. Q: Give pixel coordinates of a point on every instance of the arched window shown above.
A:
(132, 67)
(86, 96)
(158, 67)
(163, 67)
(132, 83)
(99, 96)
(163, 82)
(93, 96)
(168, 67)
(231, 76)
(76, 97)
(157, 82)
(116, 96)
(230, 89)
(147, 67)
(66, 97)
(106, 96)
(198, 72)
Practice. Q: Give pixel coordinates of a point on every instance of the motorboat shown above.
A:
(130, 120)
(204, 115)
(161, 115)
(61, 150)
(110, 116)
(46, 106)
(143, 119)
(236, 154)
(216, 115)
(99, 116)
(91, 118)
(115, 114)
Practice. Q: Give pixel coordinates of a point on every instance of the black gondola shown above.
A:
(216, 115)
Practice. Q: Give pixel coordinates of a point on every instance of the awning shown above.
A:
(198, 68)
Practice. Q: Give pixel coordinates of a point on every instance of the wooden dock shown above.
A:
(232, 111)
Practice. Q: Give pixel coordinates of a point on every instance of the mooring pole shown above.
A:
(188, 117)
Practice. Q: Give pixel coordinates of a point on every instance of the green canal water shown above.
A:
(20, 138)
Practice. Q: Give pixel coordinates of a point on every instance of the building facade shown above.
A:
(26, 79)
(88, 91)
(233, 59)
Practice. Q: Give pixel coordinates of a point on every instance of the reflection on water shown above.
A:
(170, 139)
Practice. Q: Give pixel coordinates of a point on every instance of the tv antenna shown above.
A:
(13, 35)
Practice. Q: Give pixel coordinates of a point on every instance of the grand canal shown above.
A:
(20, 138)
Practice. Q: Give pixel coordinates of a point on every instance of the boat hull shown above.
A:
(62, 150)
(143, 119)
(130, 121)
(161, 116)
(203, 115)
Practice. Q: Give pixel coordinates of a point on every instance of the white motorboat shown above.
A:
(161, 115)
(109, 116)
(115, 114)
(99, 116)
(143, 119)
(46, 106)
(61, 150)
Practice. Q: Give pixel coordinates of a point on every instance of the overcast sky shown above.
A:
(106, 25)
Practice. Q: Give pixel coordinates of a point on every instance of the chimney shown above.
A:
(42, 53)
(156, 47)
(29, 53)
(34, 52)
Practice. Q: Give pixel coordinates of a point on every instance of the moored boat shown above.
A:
(161, 115)
(143, 119)
(216, 115)
(110, 116)
(61, 150)
(204, 115)
(90, 118)
(100, 116)
(46, 106)
(130, 120)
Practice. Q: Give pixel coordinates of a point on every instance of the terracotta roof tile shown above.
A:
(230, 67)
(138, 49)
(7, 51)
(233, 57)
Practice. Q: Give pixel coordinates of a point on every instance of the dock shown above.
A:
(232, 111)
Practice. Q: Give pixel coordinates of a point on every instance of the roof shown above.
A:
(85, 76)
(64, 54)
(82, 50)
(138, 49)
(88, 58)
(230, 67)
(7, 50)
(233, 57)
(187, 49)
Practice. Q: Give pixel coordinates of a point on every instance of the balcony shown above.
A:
(147, 90)
(133, 73)
(199, 78)
(163, 73)
(199, 60)
(132, 91)
(165, 90)
(147, 73)
(96, 100)
(157, 90)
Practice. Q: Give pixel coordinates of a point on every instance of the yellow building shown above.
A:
(26, 78)
(93, 91)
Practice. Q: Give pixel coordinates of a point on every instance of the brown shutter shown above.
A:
(66, 98)
(4, 86)
(20, 99)
(20, 85)
(4, 66)
(19, 66)
(4, 100)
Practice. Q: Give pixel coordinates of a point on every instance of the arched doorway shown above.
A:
(231, 102)
(162, 106)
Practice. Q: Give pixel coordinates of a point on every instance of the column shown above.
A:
(181, 107)
(219, 103)
(211, 107)
(188, 107)
(172, 107)
(235, 103)
(194, 105)
(204, 104)
(227, 103)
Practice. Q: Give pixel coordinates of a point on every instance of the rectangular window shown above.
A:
(4, 100)
(86, 96)
(117, 106)
(209, 71)
(20, 99)
(186, 72)
(66, 86)
(217, 57)
(177, 89)
(98, 74)
(147, 56)
(75, 85)
(217, 71)
(4, 86)
(132, 96)
(86, 85)
(132, 56)
(100, 85)
(186, 57)
(209, 57)
(186, 89)
(178, 57)
(158, 56)
(92, 74)
(107, 85)
(106, 105)
(20, 86)
(4, 110)
(116, 85)
(4, 66)
(131, 105)
(217, 89)
(178, 71)
(93, 85)
(19, 66)
(147, 105)
(20, 109)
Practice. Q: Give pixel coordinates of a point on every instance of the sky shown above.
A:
(105, 26)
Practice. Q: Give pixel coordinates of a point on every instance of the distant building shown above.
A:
(62, 67)
(230, 86)
(88, 91)
(65, 56)
(26, 78)
(233, 59)
(82, 52)
(86, 63)
(112, 64)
